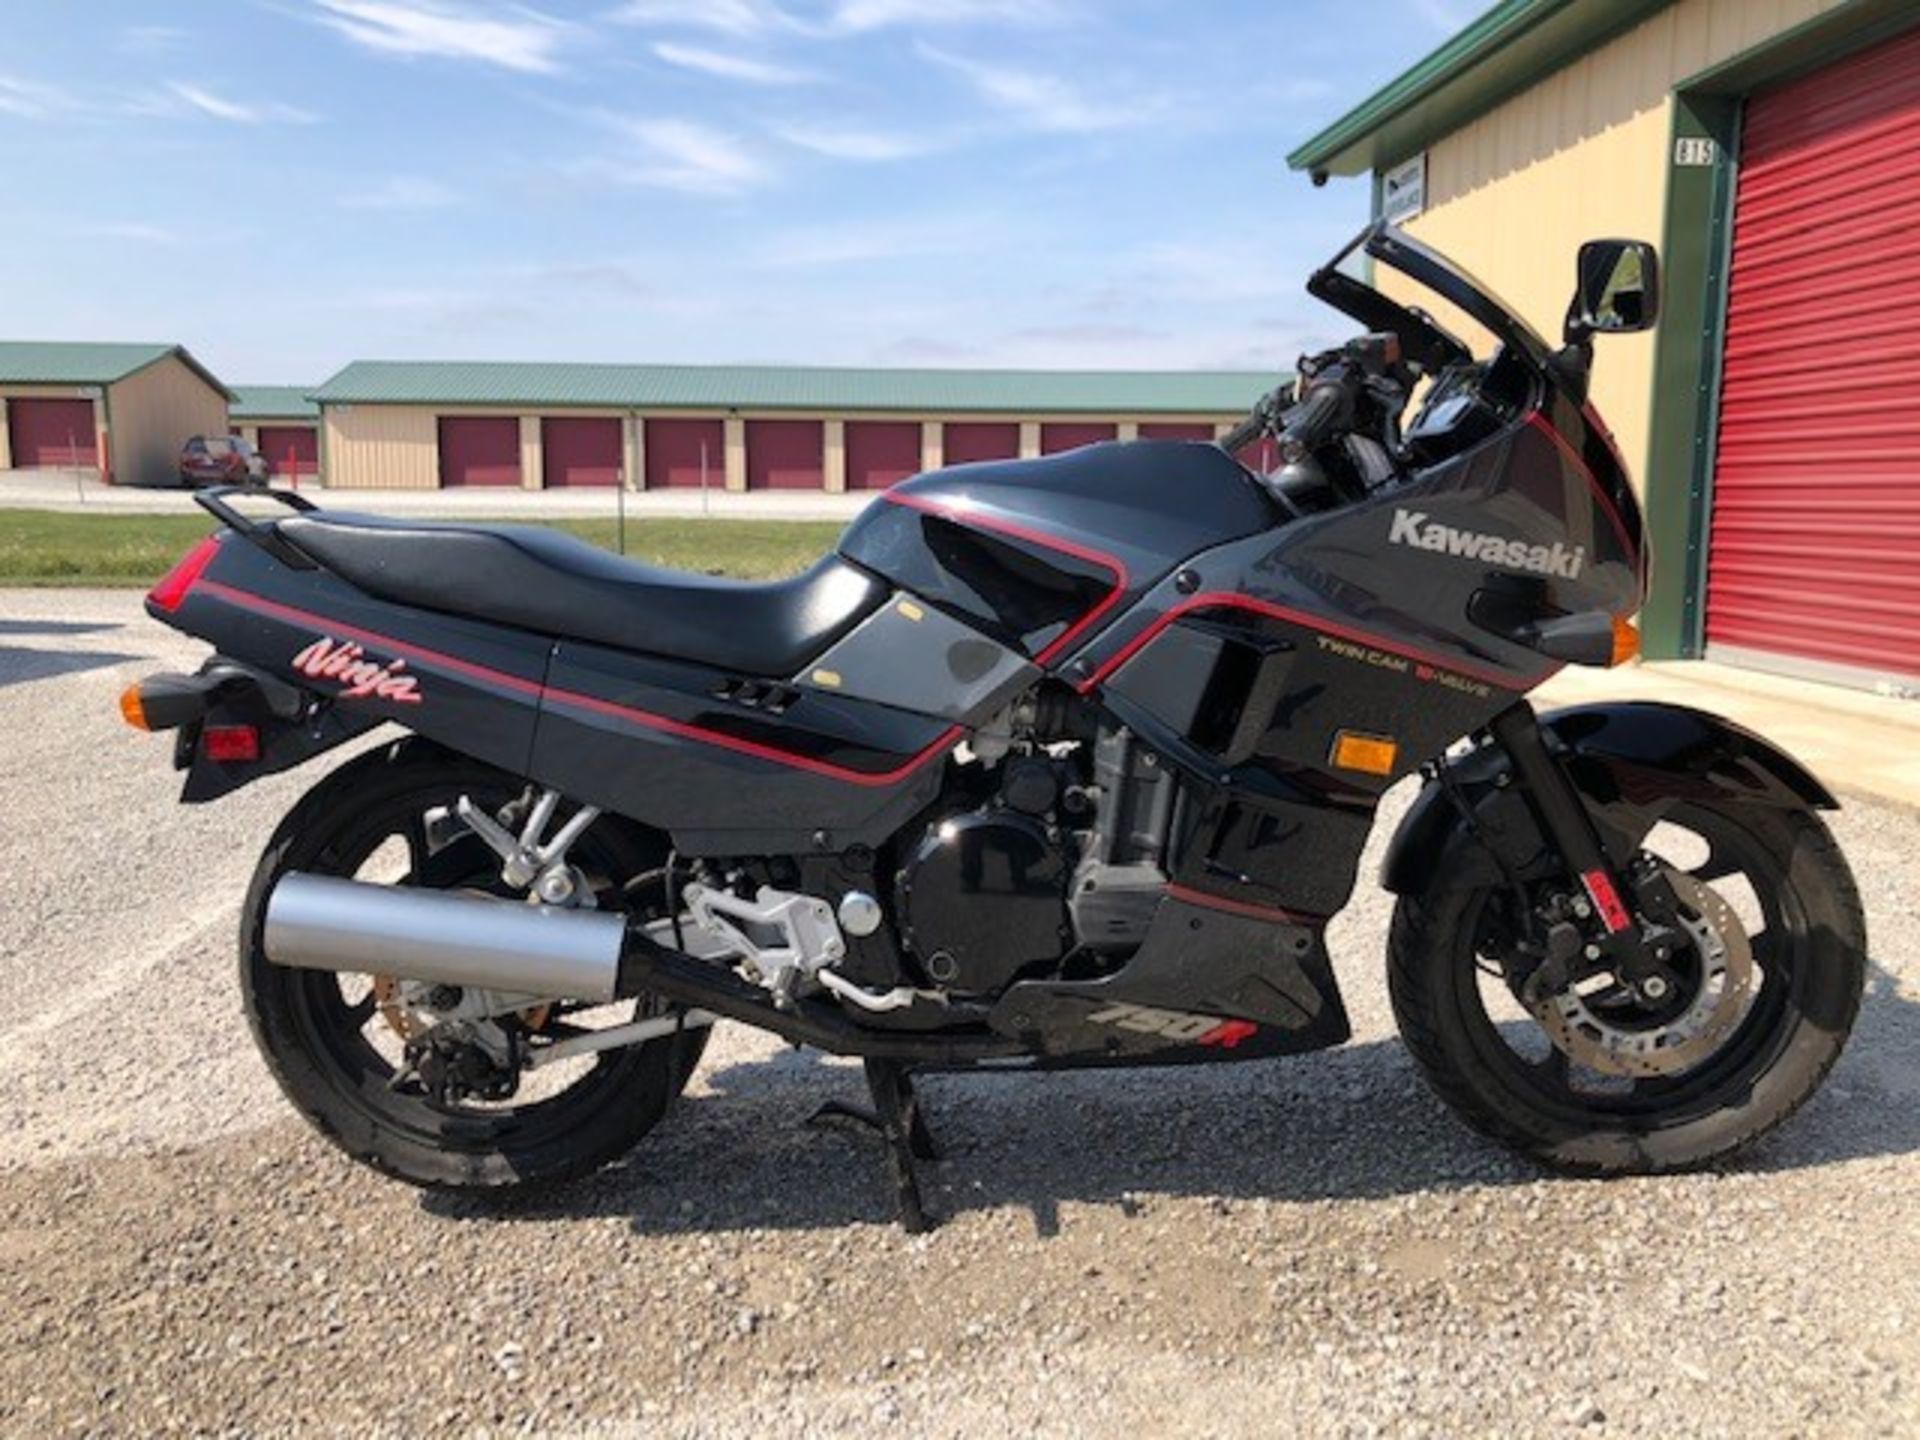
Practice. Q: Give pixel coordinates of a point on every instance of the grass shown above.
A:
(48, 548)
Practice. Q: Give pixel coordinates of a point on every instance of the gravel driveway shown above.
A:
(1303, 1247)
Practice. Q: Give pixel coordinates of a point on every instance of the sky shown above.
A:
(287, 185)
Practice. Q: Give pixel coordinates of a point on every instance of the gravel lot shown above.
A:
(1306, 1247)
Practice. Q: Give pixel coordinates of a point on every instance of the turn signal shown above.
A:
(1369, 754)
(132, 709)
(1626, 641)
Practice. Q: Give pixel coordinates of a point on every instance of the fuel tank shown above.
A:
(1040, 553)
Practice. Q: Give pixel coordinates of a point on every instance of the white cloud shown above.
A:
(135, 230)
(850, 142)
(731, 67)
(841, 17)
(152, 39)
(31, 99)
(677, 155)
(726, 17)
(235, 112)
(854, 16)
(514, 38)
(403, 192)
(1038, 100)
(1442, 15)
(804, 247)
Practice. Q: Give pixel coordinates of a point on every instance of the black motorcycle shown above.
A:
(1053, 763)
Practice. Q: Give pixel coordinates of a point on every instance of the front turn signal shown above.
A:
(1626, 641)
(133, 709)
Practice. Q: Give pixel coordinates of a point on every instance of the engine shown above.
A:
(1059, 861)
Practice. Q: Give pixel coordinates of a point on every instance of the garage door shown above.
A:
(786, 455)
(1055, 438)
(881, 453)
(292, 450)
(579, 452)
(684, 454)
(966, 442)
(1814, 553)
(1176, 430)
(479, 450)
(52, 434)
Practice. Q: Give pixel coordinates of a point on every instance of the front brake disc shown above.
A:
(1589, 1037)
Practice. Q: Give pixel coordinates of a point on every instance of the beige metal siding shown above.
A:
(152, 413)
(397, 446)
(1580, 155)
(381, 447)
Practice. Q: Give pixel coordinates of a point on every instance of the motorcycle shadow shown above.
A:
(737, 1152)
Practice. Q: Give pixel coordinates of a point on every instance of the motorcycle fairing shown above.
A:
(1043, 553)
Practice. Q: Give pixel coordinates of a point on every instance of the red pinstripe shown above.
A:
(548, 694)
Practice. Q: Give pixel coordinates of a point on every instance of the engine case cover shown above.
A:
(984, 898)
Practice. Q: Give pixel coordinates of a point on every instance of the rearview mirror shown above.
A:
(1618, 289)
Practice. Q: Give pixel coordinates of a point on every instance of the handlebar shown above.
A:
(1304, 425)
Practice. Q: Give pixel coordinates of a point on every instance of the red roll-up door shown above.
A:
(1261, 456)
(967, 442)
(786, 455)
(881, 453)
(292, 450)
(1055, 438)
(479, 450)
(1176, 430)
(685, 454)
(53, 434)
(1814, 550)
(578, 451)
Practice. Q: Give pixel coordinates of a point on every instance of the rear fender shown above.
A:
(1632, 761)
(294, 725)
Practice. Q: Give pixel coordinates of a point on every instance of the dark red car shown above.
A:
(221, 460)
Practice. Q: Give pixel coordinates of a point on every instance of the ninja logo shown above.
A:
(358, 677)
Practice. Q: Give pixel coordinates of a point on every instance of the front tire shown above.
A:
(1504, 1074)
(321, 1034)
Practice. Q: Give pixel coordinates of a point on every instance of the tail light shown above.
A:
(172, 590)
(230, 742)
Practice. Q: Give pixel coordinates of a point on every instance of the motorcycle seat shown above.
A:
(556, 584)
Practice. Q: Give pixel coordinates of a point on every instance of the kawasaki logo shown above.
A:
(1411, 527)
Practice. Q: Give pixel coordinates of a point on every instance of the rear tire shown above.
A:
(303, 1022)
(1814, 957)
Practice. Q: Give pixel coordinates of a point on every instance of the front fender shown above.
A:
(1631, 760)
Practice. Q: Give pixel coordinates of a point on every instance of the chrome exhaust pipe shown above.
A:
(318, 922)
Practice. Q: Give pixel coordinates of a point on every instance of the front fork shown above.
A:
(1636, 911)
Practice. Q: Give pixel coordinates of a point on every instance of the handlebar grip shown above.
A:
(1316, 417)
(1244, 434)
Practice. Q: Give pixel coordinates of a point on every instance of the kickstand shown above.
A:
(896, 1118)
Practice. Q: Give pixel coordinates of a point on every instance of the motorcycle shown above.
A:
(1053, 763)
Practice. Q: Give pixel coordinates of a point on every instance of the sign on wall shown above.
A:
(1403, 189)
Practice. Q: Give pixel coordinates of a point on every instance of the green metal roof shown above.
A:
(779, 387)
(1515, 45)
(274, 402)
(69, 362)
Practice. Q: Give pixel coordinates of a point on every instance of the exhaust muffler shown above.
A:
(317, 922)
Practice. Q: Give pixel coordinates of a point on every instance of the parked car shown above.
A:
(221, 460)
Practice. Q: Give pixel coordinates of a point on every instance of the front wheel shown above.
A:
(1606, 1079)
(337, 1043)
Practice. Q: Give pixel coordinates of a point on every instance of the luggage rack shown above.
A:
(214, 499)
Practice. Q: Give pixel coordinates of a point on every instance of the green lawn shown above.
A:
(45, 548)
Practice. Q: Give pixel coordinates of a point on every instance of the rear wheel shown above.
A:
(337, 1043)
(1616, 1079)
